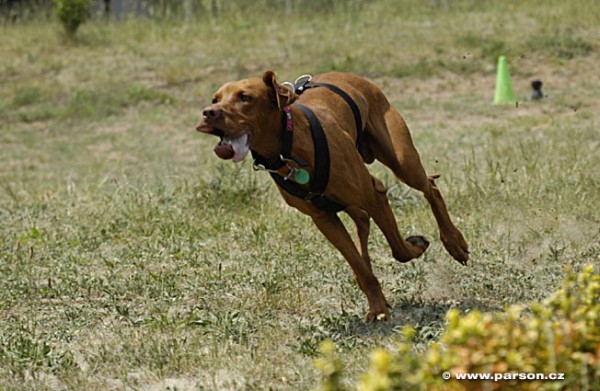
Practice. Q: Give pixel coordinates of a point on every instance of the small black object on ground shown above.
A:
(537, 90)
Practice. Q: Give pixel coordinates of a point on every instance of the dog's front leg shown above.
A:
(333, 229)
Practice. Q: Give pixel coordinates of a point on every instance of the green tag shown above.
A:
(301, 176)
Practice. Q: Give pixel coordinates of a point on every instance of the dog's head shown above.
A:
(241, 110)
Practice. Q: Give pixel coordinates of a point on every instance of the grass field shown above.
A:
(132, 258)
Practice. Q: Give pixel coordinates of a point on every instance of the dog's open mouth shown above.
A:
(233, 148)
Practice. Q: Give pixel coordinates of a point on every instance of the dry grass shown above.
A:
(131, 258)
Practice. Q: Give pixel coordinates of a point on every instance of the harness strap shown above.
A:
(320, 201)
(303, 85)
(322, 164)
(288, 133)
(318, 183)
(287, 125)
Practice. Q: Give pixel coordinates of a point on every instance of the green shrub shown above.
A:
(72, 13)
(560, 335)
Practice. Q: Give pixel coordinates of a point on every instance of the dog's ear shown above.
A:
(280, 95)
(270, 79)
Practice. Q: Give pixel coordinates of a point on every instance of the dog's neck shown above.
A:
(268, 141)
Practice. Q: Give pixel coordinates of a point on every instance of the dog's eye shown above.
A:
(244, 97)
(215, 100)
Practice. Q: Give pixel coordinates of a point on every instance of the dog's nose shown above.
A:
(211, 113)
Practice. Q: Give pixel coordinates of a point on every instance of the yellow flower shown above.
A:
(453, 317)
(380, 360)
(513, 312)
(327, 347)
(409, 332)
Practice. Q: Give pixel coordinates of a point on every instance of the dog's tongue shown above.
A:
(233, 148)
(240, 147)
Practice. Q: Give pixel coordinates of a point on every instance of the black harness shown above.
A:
(318, 183)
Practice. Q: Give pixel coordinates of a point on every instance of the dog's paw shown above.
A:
(378, 315)
(420, 242)
(456, 245)
(416, 246)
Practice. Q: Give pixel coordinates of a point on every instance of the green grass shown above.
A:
(131, 257)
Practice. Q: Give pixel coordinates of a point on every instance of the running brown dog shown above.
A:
(247, 115)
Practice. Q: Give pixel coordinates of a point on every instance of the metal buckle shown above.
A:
(289, 174)
(261, 167)
(288, 85)
(258, 167)
(301, 82)
(301, 79)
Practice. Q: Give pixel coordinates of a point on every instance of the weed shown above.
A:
(26, 96)
(110, 101)
(421, 69)
(564, 44)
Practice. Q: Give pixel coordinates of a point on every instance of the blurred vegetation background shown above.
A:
(15, 10)
(132, 258)
(25, 10)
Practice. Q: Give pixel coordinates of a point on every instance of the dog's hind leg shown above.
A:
(332, 227)
(392, 145)
(362, 220)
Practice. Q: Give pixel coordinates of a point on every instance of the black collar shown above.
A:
(285, 155)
